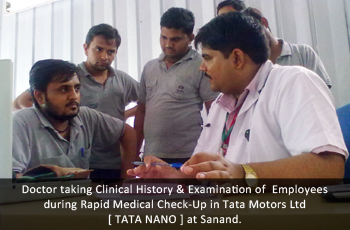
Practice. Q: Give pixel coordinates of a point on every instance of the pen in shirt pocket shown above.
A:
(82, 152)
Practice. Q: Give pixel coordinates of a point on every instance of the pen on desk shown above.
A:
(82, 152)
(174, 165)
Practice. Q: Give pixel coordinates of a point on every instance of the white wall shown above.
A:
(57, 30)
(6, 114)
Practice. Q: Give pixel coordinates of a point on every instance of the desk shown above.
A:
(319, 214)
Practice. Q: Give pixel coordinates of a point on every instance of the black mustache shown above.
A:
(207, 75)
(73, 103)
(103, 62)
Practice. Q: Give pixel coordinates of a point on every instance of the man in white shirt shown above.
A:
(282, 127)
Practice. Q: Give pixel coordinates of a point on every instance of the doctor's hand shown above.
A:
(155, 171)
(210, 166)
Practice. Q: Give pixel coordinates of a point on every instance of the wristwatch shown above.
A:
(251, 178)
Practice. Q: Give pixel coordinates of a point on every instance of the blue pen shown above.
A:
(82, 152)
(174, 165)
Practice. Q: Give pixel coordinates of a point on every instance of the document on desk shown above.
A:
(53, 173)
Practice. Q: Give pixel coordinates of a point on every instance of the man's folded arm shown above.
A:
(24, 100)
(128, 149)
(139, 123)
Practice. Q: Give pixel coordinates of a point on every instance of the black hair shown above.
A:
(255, 13)
(104, 30)
(235, 30)
(178, 18)
(50, 70)
(236, 4)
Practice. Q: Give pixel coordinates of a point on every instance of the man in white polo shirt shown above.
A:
(269, 122)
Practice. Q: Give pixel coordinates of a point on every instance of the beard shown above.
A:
(101, 66)
(50, 111)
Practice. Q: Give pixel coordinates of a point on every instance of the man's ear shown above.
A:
(265, 23)
(39, 97)
(237, 57)
(191, 38)
(86, 46)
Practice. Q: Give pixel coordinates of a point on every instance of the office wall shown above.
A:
(5, 115)
(57, 30)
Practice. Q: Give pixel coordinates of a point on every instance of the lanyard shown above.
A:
(227, 132)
